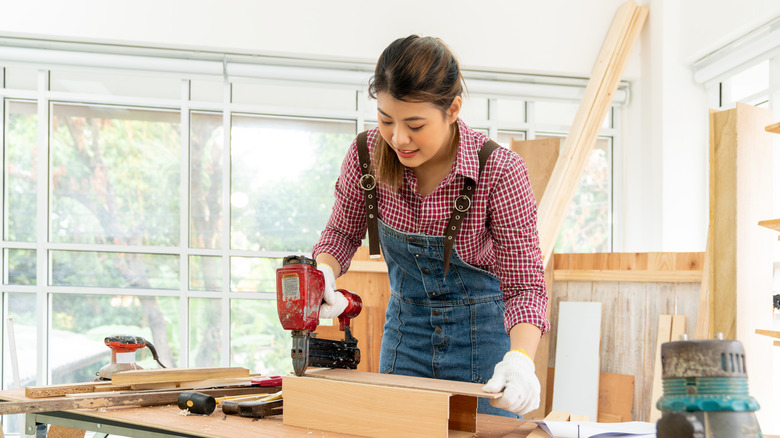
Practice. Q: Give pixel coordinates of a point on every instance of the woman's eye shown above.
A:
(416, 128)
(386, 123)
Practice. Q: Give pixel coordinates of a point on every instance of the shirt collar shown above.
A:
(467, 158)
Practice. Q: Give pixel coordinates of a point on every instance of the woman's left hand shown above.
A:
(515, 375)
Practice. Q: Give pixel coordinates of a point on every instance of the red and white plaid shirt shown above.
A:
(498, 234)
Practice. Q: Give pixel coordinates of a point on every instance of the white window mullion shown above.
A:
(42, 230)
(226, 189)
(184, 207)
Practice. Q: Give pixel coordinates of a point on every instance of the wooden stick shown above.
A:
(140, 398)
(162, 375)
(595, 104)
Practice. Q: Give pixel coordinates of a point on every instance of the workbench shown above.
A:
(168, 421)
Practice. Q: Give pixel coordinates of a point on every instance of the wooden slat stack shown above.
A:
(604, 80)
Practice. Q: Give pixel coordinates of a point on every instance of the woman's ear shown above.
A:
(454, 110)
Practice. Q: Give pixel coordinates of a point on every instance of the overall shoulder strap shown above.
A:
(463, 204)
(368, 184)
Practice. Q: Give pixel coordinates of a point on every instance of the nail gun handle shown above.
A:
(354, 306)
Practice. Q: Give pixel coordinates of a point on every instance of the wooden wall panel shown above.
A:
(630, 312)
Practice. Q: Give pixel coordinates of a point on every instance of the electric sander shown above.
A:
(300, 288)
(706, 391)
(123, 349)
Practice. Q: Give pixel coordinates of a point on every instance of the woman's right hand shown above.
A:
(334, 302)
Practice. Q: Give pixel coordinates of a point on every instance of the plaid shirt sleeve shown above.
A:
(346, 227)
(518, 263)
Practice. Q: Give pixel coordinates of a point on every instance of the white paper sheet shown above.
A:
(581, 429)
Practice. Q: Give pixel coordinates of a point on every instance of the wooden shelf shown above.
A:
(775, 128)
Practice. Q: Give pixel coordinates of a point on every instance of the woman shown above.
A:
(468, 298)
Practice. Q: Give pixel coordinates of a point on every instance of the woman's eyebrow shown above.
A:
(408, 119)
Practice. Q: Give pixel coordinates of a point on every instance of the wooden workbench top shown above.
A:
(170, 417)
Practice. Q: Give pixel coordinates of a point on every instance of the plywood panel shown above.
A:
(399, 381)
(577, 370)
(540, 156)
(366, 410)
(740, 173)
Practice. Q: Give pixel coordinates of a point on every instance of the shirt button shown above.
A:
(437, 330)
(426, 271)
(417, 256)
(435, 313)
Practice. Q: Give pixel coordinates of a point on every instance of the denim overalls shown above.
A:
(451, 328)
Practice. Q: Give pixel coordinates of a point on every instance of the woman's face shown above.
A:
(418, 132)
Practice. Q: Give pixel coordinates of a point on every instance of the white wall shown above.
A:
(664, 163)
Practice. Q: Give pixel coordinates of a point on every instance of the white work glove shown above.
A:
(335, 303)
(515, 376)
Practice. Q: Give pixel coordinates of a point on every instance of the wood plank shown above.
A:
(742, 256)
(604, 79)
(773, 128)
(161, 375)
(102, 400)
(772, 224)
(577, 361)
(579, 418)
(664, 334)
(552, 416)
(770, 333)
(540, 156)
(71, 388)
(374, 411)
(616, 397)
(399, 381)
(632, 276)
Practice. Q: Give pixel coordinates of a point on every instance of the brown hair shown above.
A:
(413, 69)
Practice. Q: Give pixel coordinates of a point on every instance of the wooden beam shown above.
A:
(163, 375)
(595, 104)
(704, 315)
(103, 400)
(635, 276)
(774, 128)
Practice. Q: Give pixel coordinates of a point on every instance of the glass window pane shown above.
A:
(746, 83)
(505, 137)
(21, 170)
(253, 274)
(206, 170)
(206, 273)
(282, 180)
(205, 332)
(588, 226)
(85, 320)
(115, 175)
(22, 309)
(21, 266)
(295, 96)
(17, 78)
(116, 84)
(114, 269)
(257, 340)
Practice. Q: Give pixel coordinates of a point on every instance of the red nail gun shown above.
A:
(300, 287)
